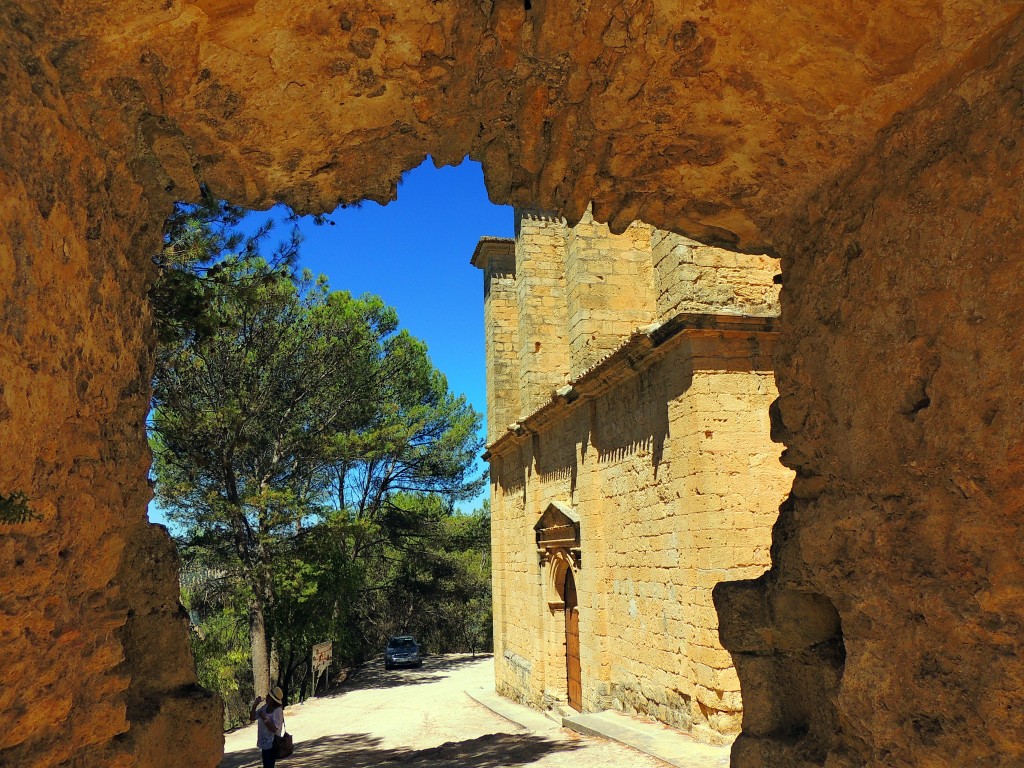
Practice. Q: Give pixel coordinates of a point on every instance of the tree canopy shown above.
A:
(303, 444)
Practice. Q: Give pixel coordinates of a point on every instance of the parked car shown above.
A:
(402, 651)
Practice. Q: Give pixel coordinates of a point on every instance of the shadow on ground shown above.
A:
(373, 675)
(363, 751)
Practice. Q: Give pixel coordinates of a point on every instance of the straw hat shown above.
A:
(276, 694)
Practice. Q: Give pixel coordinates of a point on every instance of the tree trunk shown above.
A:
(275, 664)
(260, 648)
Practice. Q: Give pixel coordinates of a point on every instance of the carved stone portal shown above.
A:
(558, 547)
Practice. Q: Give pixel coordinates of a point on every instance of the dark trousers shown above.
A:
(269, 757)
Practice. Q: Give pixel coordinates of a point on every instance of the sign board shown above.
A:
(322, 656)
(322, 653)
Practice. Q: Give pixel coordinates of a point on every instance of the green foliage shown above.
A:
(310, 456)
(220, 646)
(194, 268)
(436, 586)
(431, 580)
(14, 509)
(441, 589)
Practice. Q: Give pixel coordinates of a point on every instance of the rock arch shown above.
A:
(876, 149)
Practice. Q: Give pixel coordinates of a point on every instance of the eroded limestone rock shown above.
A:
(902, 304)
(875, 147)
(707, 118)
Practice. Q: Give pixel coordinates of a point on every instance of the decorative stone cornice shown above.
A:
(643, 347)
(488, 247)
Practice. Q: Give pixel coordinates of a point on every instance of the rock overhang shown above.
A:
(710, 119)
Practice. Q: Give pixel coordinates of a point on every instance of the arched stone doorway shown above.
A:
(564, 676)
(559, 544)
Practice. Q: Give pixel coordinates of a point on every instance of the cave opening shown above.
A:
(882, 169)
(238, 289)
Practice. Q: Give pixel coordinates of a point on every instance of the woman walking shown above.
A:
(271, 723)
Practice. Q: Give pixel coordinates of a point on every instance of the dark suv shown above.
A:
(402, 651)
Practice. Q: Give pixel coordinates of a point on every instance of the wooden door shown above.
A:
(573, 675)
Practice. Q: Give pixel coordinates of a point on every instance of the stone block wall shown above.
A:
(571, 295)
(497, 260)
(609, 285)
(677, 486)
(542, 317)
(685, 520)
(701, 513)
(662, 449)
(692, 277)
(516, 584)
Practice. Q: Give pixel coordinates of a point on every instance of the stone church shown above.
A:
(629, 379)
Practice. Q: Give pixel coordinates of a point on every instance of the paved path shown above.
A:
(675, 748)
(423, 718)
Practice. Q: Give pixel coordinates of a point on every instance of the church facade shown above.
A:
(629, 380)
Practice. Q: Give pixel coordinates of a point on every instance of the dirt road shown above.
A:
(423, 718)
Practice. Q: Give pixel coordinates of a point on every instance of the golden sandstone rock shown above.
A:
(874, 147)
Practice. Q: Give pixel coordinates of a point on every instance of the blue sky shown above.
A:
(414, 253)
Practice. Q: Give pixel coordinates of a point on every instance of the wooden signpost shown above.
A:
(322, 653)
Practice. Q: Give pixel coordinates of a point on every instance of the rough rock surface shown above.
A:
(703, 117)
(875, 147)
(900, 405)
(96, 655)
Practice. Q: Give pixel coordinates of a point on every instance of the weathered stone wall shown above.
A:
(604, 286)
(609, 281)
(677, 487)
(691, 277)
(666, 459)
(542, 308)
(496, 258)
(516, 584)
(889, 632)
(684, 520)
(97, 669)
